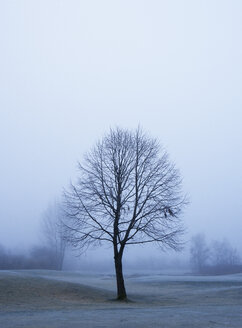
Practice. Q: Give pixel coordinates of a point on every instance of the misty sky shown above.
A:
(70, 70)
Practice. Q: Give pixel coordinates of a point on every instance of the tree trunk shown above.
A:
(121, 292)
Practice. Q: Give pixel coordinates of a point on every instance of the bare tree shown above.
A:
(199, 253)
(223, 254)
(53, 231)
(217, 258)
(128, 193)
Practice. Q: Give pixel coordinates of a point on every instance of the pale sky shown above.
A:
(70, 70)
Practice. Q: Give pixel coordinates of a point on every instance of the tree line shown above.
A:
(51, 251)
(216, 257)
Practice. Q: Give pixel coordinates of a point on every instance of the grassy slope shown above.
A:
(20, 292)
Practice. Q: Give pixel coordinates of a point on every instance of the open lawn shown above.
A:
(50, 299)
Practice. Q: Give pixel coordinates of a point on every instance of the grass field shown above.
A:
(48, 299)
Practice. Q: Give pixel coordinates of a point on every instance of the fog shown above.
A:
(71, 70)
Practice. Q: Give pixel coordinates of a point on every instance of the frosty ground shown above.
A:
(49, 299)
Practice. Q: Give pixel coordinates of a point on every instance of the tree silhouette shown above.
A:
(127, 193)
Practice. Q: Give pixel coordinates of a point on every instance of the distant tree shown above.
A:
(128, 193)
(199, 253)
(223, 254)
(53, 232)
(217, 258)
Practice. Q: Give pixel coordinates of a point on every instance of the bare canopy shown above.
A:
(128, 192)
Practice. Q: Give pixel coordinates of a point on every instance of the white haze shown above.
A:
(70, 70)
